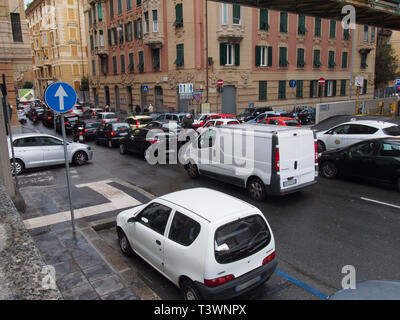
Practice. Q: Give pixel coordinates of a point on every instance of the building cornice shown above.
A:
(33, 6)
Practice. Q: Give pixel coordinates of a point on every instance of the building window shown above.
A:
(300, 58)
(119, 6)
(317, 59)
(138, 3)
(122, 58)
(224, 13)
(16, 27)
(100, 13)
(317, 27)
(114, 60)
(141, 62)
(364, 60)
(264, 19)
(315, 89)
(365, 33)
(179, 56)
(301, 28)
(229, 54)
(155, 21)
(109, 37)
(178, 16)
(346, 34)
(236, 14)
(282, 89)
(93, 67)
(344, 59)
(115, 36)
(263, 56)
(262, 91)
(332, 29)
(363, 89)
(101, 38)
(283, 62)
(330, 88)
(283, 25)
(111, 8)
(128, 4)
(156, 59)
(90, 18)
(146, 22)
(331, 60)
(131, 62)
(373, 34)
(91, 43)
(299, 89)
(121, 33)
(342, 87)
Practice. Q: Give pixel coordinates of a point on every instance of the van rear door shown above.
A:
(296, 158)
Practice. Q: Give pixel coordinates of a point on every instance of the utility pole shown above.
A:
(80, 39)
(353, 49)
(206, 11)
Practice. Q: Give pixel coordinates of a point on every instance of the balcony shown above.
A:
(102, 52)
(232, 32)
(153, 39)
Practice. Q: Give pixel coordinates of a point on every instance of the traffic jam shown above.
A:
(223, 247)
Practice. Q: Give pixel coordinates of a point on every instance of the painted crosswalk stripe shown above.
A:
(380, 202)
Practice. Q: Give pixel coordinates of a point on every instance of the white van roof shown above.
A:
(209, 204)
(262, 128)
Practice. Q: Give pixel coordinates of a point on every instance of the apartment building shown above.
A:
(58, 42)
(141, 50)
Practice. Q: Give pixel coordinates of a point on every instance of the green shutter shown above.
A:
(100, 12)
(264, 19)
(283, 23)
(299, 89)
(222, 54)
(311, 88)
(332, 29)
(109, 37)
(178, 15)
(179, 55)
(331, 62)
(258, 56)
(236, 13)
(334, 88)
(237, 54)
(155, 15)
(111, 8)
(346, 34)
(342, 87)
(262, 90)
(283, 57)
(317, 59)
(326, 89)
(302, 25)
(282, 89)
(122, 58)
(317, 30)
(344, 60)
(131, 62)
(141, 62)
(300, 58)
(119, 6)
(269, 56)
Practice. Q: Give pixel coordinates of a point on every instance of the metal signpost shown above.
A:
(61, 98)
(359, 83)
(293, 84)
(220, 84)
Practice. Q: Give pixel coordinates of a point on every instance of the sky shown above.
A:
(26, 2)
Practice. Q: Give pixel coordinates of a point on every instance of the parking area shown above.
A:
(317, 231)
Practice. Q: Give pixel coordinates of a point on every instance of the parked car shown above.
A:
(69, 121)
(154, 115)
(165, 124)
(35, 114)
(214, 249)
(169, 116)
(201, 117)
(37, 150)
(91, 113)
(78, 110)
(48, 118)
(21, 116)
(111, 133)
(139, 121)
(139, 140)
(218, 122)
(279, 167)
(215, 116)
(281, 121)
(85, 130)
(377, 160)
(351, 132)
(270, 114)
(106, 117)
(251, 113)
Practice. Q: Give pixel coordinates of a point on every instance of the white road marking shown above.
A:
(118, 200)
(380, 202)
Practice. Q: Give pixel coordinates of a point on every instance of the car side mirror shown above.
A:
(133, 219)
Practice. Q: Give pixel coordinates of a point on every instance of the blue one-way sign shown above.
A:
(60, 97)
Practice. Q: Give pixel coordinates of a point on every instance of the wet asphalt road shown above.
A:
(317, 231)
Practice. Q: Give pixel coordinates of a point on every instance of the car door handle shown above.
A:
(158, 242)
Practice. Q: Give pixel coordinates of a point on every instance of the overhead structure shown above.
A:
(384, 14)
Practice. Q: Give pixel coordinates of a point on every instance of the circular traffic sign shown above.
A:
(60, 97)
(220, 82)
(292, 83)
(321, 81)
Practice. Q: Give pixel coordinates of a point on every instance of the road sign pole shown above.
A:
(67, 172)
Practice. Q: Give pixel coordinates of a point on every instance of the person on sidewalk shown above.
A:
(138, 110)
(187, 122)
(150, 108)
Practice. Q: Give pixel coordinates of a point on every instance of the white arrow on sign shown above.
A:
(61, 94)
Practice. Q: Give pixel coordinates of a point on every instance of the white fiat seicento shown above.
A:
(209, 244)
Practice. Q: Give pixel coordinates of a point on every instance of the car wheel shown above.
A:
(256, 189)
(320, 146)
(189, 291)
(122, 149)
(80, 158)
(19, 167)
(329, 170)
(110, 144)
(192, 171)
(124, 244)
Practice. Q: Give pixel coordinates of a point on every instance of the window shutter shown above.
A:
(236, 13)
(178, 15)
(334, 88)
(262, 91)
(109, 37)
(16, 27)
(264, 19)
(222, 54)
(237, 54)
(332, 31)
(155, 15)
(326, 89)
(284, 20)
(317, 31)
(258, 56)
(342, 87)
(135, 29)
(269, 56)
(311, 88)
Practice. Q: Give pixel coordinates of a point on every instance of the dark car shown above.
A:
(48, 118)
(85, 130)
(35, 113)
(377, 160)
(69, 121)
(111, 133)
(91, 113)
(251, 113)
(139, 140)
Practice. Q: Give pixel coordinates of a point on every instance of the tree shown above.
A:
(28, 85)
(386, 65)
(84, 84)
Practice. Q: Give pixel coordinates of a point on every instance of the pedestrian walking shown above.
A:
(138, 110)
(150, 108)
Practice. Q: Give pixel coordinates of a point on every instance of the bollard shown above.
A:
(381, 104)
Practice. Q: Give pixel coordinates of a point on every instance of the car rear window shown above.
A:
(93, 124)
(71, 119)
(119, 126)
(291, 123)
(240, 239)
(110, 116)
(145, 121)
(184, 230)
(392, 131)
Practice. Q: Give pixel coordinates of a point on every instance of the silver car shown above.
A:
(37, 150)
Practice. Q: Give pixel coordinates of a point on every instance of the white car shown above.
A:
(38, 150)
(351, 132)
(219, 248)
(217, 122)
(201, 117)
(106, 117)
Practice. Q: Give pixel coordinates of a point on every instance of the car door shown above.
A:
(29, 150)
(387, 161)
(53, 150)
(361, 159)
(337, 137)
(147, 234)
(359, 132)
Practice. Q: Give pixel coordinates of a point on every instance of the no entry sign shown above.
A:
(220, 82)
(321, 81)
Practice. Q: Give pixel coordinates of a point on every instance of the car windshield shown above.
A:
(93, 124)
(240, 239)
(110, 116)
(392, 131)
(145, 120)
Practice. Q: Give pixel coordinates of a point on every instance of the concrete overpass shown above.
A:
(384, 14)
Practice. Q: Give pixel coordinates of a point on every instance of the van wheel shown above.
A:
(320, 146)
(256, 189)
(189, 291)
(329, 170)
(192, 171)
(124, 244)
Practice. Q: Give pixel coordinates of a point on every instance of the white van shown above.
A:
(265, 159)
(209, 244)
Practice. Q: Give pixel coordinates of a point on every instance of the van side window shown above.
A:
(184, 230)
(155, 216)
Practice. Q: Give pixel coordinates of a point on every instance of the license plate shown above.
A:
(289, 182)
(247, 284)
(123, 133)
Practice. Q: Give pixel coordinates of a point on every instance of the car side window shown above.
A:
(363, 149)
(207, 139)
(343, 129)
(390, 149)
(263, 121)
(184, 230)
(361, 129)
(155, 216)
(26, 142)
(49, 141)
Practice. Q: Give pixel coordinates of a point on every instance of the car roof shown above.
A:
(31, 134)
(106, 113)
(209, 204)
(281, 118)
(372, 123)
(139, 117)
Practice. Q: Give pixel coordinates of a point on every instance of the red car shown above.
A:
(281, 121)
(215, 116)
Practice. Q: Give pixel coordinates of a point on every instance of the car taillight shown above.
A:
(269, 258)
(316, 152)
(86, 130)
(66, 123)
(33, 117)
(104, 121)
(113, 133)
(218, 281)
(277, 163)
(48, 118)
(80, 133)
(117, 119)
(137, 123)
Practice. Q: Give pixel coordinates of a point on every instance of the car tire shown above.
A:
(110, 144)
(124, 244)
(122, 149)
(189, 291)
(256, 189)
(320, 146)
(329, 170)
(19, 166)
(80, 158)
(192, 170)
